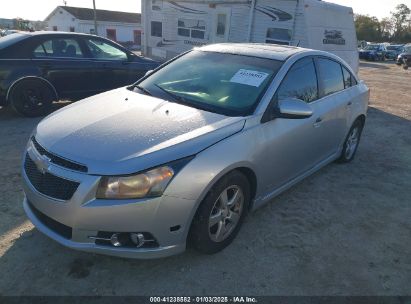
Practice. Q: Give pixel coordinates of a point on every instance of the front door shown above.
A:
(221, 25)
(291, 147)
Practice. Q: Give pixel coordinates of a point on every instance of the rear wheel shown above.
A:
(32, 97)
(220, 215)
(351, 142)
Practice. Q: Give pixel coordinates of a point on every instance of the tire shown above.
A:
(32, 97)
(350, 148)
(209, 238)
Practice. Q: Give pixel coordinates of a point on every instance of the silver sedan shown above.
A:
(183, 155)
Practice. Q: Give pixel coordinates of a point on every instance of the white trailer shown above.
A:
(173, 27)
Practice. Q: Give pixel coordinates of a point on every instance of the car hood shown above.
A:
(123, 132)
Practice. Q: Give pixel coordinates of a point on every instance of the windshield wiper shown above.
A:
(174, 96)
(147, 92)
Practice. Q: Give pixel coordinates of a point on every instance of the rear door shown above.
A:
(63, 62)
(332, 107)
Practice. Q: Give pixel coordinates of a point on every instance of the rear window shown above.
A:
(11, 39)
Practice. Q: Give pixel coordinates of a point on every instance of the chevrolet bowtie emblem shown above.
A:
(42, 162)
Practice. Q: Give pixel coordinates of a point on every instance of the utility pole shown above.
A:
(95, 17)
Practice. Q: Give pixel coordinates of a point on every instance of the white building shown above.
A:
(122, 27)
(172, 27)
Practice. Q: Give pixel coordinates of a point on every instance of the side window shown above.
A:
(102, 50)
(300, 82)
(331, 76)
(349, 80)
(156, 29)
(58, 48)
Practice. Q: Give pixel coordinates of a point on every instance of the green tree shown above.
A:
(400, 19)
(368, 28)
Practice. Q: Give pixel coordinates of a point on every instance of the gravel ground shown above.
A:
(345, 230)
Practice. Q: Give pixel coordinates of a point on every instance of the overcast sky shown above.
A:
(39, 9)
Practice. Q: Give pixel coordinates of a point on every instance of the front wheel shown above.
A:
(351, 142)
(220, 215)
(31, 97)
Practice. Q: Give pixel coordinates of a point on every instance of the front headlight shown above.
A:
(148, 184)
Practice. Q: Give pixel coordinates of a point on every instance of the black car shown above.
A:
(41, 67)
(405, 56)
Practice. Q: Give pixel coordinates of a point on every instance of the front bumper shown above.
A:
(141, 253)
(86, 217)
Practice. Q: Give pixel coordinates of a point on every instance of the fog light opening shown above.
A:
(137, 239)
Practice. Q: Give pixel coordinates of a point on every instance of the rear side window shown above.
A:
(300, 82)
(331, 76)
(60, 48)
(349, 80)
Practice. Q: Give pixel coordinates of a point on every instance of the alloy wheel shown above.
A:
(226, 213)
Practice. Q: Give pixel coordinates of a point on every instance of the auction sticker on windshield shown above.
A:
(249, 77)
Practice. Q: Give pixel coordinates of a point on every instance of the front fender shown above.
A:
(196, 179)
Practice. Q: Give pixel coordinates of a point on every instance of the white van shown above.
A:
(173, 27)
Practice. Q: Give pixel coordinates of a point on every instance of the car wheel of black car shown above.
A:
(221, 214)
(31, 97)
(351, 142)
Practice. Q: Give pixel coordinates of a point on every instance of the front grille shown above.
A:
(49, 184)
(60, 229)
(59, 161)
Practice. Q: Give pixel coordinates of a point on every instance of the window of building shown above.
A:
(278, 36)
(61, 48)
(191, 28)
(55, 28)
(331, 76)
(156, 29)
(156, 5)
(72, 29)
(300, 82)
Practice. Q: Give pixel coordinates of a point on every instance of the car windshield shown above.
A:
(407, 49)
(223, 83)
(11, 39)
(372, 47)
(394, 47)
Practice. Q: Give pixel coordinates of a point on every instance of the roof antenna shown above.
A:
(298, 44)
(65, 2)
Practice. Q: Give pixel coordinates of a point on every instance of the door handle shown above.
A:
(318, 122)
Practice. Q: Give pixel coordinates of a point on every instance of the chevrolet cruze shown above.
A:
(180, 157)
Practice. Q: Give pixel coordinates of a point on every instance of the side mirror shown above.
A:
(148, 72)
(293, 108)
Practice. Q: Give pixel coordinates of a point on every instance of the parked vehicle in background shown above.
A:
(393, 51)
(7, 32)
(173, 27)
(405, 55)
(373, 52)
(41, 67)
(182, 155)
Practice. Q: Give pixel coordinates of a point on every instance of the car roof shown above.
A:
(39, 33)
(262, 50)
